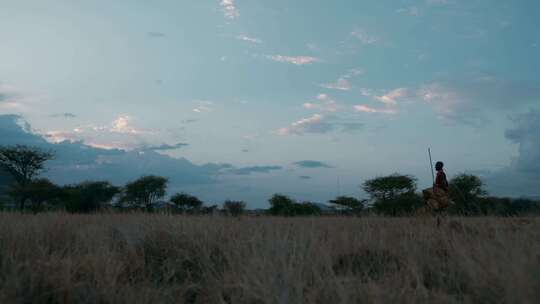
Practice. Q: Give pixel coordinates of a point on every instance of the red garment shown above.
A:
(440, 181)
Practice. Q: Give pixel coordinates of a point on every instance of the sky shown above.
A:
(238, 99)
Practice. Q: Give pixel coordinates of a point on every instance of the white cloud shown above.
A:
(229, 9)
(204, 106)
(249, 39)
(341, 84)
(391, 97)
(353, 72)
(364, 36)
(122, 125)
(325, 104)
(367, 109)
(313, 124)
(299, 60)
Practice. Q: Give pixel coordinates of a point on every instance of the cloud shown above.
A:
(119, 134)
(249, 39)
(465, 101)
(201, 109)
(299, 60)
(364, 36)
(76, 162)
(10, 100)
(254, 169)
(341, 84)
(320, 124)
(156, 35)
(325, 104)
(122, 124)
(367, 109)
(229, 9)
(522, 177)
(313, 124)
(311, 164)
(204, 106)
(165, 147)
(413, 11)
(64, 115)
(391, 97)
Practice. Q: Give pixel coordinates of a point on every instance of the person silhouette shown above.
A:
(440, 181)
(436, 197)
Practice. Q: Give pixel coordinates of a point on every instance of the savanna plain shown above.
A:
(157, 258)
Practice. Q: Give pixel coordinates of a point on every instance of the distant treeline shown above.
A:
(393, 195)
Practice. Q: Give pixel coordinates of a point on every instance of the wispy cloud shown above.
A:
(364, 36)
(391, 97)
(203, 106)
(341, 84)
(229, 9)
(413, 11)
(298, 60)
(311, 164)
(313, 124)
(367, 109)
(156, 35)
(165, 147)
(325, 104)
(320, 124)
(64, 115)
(249, 39)
(254, 169)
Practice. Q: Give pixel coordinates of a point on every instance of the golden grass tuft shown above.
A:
(150, 258)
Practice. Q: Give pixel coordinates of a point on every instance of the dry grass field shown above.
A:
(142, 258)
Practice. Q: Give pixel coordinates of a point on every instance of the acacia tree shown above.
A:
(389, 187)
(186, 202)
(393, 194)
(347, 204)
(465, 190)
(145, 191)
(234, 208)
(24, 164)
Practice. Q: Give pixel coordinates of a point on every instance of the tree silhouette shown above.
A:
(38, 192)
(88, 196)
(234, 208)
(393, 194)
(186, 202)
(348, 205)
(24, 164)
(465, 190)
(145, 191)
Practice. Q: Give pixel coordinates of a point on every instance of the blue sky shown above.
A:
(257, 88)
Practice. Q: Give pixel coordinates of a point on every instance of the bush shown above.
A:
(348, 205)
(186, 202)
(285, 206)
(234, 208)
(88, 196)
(401, 205)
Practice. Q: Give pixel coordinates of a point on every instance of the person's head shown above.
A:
(439, 166)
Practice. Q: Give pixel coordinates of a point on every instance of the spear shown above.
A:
(431, 164)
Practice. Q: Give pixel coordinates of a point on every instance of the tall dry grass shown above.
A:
(141, 258)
